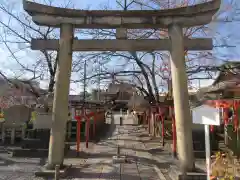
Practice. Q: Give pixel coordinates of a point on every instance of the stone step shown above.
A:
(33, 153)
(175, 173)
(29, 143)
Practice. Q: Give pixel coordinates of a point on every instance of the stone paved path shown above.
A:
(97, 161)
(140, 165)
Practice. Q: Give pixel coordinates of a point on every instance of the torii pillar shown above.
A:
(181, 98)
(60, 102)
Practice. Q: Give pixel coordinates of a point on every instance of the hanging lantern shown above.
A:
(211, 128)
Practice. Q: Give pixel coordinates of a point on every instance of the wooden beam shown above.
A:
(123, 45)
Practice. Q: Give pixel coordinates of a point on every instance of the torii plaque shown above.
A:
(172, 19)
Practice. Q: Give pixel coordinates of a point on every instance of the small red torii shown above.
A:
(226, 104)
(87, 117)
(160, 117)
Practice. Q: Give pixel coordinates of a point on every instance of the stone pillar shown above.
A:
(13, 133)
(3, 133)
(23, 133)
(181, 99)
(69, 127)
(60, 102)
(152, 124)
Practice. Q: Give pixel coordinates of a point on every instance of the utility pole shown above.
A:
(84, 81)
(99, 78)
(84, 97)
(125, 5)
(99, 71)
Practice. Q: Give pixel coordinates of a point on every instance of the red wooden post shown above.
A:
(225, 115)
(174, 134)
(78, 134)
(235, 106)
(145, 119)
(87, 120)
(174, 137)
(163, 133)
(225, 118)
(94, 124)
(149, 119)
(78, 138)
(161, 116)
(154, 124)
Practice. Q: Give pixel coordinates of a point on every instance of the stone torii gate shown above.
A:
(172, 19)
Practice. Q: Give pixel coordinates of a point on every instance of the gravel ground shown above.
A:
(18, 168)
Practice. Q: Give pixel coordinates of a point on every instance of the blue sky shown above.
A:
(229, 30)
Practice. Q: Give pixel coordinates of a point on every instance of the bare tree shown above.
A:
(17, 30)
(154, 66)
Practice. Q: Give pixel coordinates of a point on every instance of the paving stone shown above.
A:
(130, 171)
(98, 162)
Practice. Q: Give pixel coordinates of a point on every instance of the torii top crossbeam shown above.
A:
(134, 19)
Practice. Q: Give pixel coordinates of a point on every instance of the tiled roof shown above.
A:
(121, 87)
(228, 79)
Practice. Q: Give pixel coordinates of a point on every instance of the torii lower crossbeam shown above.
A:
(123, 45)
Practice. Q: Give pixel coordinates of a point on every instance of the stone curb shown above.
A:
(159, 172)
(51, 173)
(175, 174)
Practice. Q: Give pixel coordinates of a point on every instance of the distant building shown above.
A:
(226, 85)
(124, 91)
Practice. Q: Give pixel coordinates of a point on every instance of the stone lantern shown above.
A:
(44, 112)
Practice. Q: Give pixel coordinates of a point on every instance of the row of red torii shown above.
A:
(172, 19)
(159, 114)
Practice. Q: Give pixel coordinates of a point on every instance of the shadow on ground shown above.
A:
(132, 159)
(91, 175)
(115, 172)
(7, 161)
